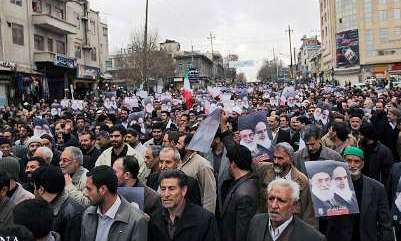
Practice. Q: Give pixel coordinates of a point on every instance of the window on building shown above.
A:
(59, 12)
(93, 26)
(382, 15)
(77, 19)
(396, 13)
(50, 45)
(39, 42)
(60, 47)
(93, 54)
(18, 34)
(48, 9)
(78, 51)
(37, 6)
(16, 2)
(105, 31)
(383, 35)
(396, 34)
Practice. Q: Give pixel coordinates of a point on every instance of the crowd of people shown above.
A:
(122, 166)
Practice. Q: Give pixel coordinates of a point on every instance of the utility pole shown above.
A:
(275, 63)
(295, 64)
(145, 48)
(212, 37)
(192, 60)
(289, 38)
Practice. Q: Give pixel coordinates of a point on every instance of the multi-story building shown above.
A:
(367, 39)
(309, 49)
(50, 47)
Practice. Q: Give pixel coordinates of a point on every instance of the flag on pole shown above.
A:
(187, 92)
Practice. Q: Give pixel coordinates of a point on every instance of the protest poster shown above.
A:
(133, 195)
(396, 210)
(204, 136)
(331, 187)
(253, 131)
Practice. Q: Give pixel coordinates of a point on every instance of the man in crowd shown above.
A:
(6, 205)
(133, 139)
(238, 198)
(16, 192)
(110, 217)
(45, 153)
(50, 186)
(314, 150)
(71, 161)
(179, 219)
(37, 216)
(169, 159)
(170, 138)
(283, 167)
(199, 168)
(91, 153)
(31, 166)
(280, 223)
(373, 222)
(157, 135)
(378, 157)
(120, 149)
(126, 170)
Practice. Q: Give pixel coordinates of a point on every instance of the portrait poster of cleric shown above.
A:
(331, 188)
(397, 204)
(253, 131)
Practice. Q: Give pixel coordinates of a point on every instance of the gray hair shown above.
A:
(281, 182)
(76, 153)
(47, 153)
(177, 156)
(155, 150)
(286, 147)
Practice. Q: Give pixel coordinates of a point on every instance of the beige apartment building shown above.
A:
(48, 47)
(366, 42)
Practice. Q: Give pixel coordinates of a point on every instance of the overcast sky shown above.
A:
(250, 28)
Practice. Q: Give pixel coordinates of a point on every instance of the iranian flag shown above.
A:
(187, 92)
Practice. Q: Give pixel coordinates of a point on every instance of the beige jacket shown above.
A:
(199, 168)
(105, 159)
(21, 195)
(77, 191)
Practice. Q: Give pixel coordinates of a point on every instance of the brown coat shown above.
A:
(199, 168)
(305, 211)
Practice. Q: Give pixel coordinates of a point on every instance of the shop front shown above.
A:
(86, 80)
(7, 77)
(59, 71)
(394, 71)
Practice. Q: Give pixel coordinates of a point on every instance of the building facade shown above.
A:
(367, 39)
(53, 46)
(307, 55)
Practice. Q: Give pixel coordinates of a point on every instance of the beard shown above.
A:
(266, 143)
(182, 152)
(345, 193)
(251, 146)
(323, 195)
(279, 169)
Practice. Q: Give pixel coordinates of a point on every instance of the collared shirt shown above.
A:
(171, 226)
(393, 126)
(106, 220)
(287, 176)
(275, 233)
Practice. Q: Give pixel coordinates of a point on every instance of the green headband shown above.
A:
(354, 151)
